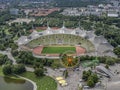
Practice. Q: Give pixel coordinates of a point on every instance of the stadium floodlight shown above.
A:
(63, 27)
(48, 27)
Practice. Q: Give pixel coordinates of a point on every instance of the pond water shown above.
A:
(7, 83)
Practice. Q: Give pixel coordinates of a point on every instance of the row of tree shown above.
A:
(27, 58)
(13, 69)
(4, 60)
(103, 59)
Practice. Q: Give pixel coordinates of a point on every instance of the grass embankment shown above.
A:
(57, 50)
(1, 73)
(43, 83)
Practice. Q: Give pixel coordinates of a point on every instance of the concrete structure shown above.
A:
(103, 71)
(102, 47)
(111, 10)
(112, 14)
(21, 20)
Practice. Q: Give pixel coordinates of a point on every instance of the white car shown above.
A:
(86, 87)
(80, 80)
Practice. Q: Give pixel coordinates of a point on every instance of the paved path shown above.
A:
(34, 84)
(8, 53)
(54, 73)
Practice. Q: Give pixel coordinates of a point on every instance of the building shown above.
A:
(112, 14)
(110, 10)
(14, 11)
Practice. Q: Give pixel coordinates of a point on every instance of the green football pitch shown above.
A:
(57, 50)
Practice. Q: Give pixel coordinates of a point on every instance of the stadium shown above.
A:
(53, 42)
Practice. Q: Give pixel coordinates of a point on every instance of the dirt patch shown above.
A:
(38, 50)
(80, 50)
(43, 12)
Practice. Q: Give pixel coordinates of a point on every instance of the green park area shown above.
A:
(57, 50)
(43, 83)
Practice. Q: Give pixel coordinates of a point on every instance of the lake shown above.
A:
(7, 83)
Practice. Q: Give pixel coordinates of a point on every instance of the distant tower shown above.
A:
(33, 28)
(14, 11)
(79, 25)
(48, 27)
(49, 30)
(63, 25)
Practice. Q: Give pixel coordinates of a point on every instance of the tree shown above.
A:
(117, 60)
(8, 62)
(15, 53)
(65, 73)
(117, 51)
(95, 77)
(18, 69)
(7, 69)
(90, 83)
(2, 47)
(55, 65)
(2, 60)
(13, 46)
(5, 60)
(102, 59)
(110, 61)
(39, 72)
(86, 74)
(90, 77)
(38, 65)
(107, 66)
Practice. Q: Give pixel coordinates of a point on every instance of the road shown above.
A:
(8, 53)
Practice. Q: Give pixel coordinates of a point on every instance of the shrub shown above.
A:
(39, 72)
(90, 83)
(110, 61)
(18, 69)
(7, 69)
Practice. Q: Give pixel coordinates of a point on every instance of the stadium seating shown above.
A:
(64, 39)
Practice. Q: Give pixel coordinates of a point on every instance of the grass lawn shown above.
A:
(57, 50)
(43, 83)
